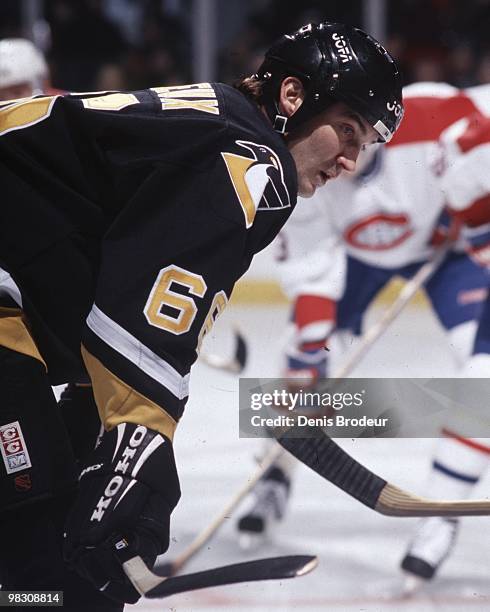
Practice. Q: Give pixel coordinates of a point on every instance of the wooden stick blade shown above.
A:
(396, 502)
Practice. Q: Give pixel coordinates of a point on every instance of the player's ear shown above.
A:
(291, 95)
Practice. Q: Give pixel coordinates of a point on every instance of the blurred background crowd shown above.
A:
(131, 44)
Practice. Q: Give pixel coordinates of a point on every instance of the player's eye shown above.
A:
(348, 130)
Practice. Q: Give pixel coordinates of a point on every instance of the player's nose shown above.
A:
(345, 163)
(349, 157)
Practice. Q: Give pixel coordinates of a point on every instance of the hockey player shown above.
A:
(25, 73)
(127, 218)
(459, 462)
(384, 221)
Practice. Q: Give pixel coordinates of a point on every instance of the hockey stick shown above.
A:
(408, 291)
(236, 364)
(152, 585)
(334, 464)
(170, 568)
(325, 457)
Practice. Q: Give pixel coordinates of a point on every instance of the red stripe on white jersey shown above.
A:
(477, 133)
(478, 213)
(466, 441)
(426, 117)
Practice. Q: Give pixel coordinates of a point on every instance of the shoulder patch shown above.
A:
(258, 179)
(110, 102)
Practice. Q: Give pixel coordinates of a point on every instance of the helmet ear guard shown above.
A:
(334, 62)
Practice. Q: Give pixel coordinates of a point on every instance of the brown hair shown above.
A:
(251, 87)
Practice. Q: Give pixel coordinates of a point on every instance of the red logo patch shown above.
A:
(379, 232)
(23, 482)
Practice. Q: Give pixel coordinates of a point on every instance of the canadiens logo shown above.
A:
(379, 232)
(258, 179)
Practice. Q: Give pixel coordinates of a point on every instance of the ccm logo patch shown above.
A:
(13, 448)
(379, 232)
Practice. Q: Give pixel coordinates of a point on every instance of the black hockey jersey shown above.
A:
(136, 212)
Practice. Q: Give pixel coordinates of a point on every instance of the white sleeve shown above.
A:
(466, 147)
(313, 260)
(467, 179)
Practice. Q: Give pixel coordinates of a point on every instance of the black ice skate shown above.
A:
(267, 507)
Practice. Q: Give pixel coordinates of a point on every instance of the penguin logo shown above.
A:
(258, 180)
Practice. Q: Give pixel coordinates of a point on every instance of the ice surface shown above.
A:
(359, 550)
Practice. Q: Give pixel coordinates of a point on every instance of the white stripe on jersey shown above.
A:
(467, 178)
(132, 349)
(429, 89)
(478, 94)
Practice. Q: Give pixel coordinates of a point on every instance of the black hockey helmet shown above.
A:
(335, 62)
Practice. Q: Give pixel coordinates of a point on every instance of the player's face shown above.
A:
(328, 144)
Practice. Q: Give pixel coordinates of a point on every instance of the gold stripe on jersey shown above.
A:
(110, 102)
(24, 113)
(199, 96)
(119, 403)
(15, 336)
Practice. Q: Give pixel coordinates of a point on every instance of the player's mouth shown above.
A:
(321, 179)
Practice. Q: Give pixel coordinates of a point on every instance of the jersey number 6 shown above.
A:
(174, 311)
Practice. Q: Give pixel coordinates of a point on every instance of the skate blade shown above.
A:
(401, 588)
(411, 585)
(251, 541)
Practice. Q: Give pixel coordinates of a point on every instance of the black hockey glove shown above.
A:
(127, 492)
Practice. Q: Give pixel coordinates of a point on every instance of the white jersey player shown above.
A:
(386, 220)
(459, 461)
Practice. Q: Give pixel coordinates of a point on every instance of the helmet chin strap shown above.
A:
(283, 124)
(277, 118)
(280, 123)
